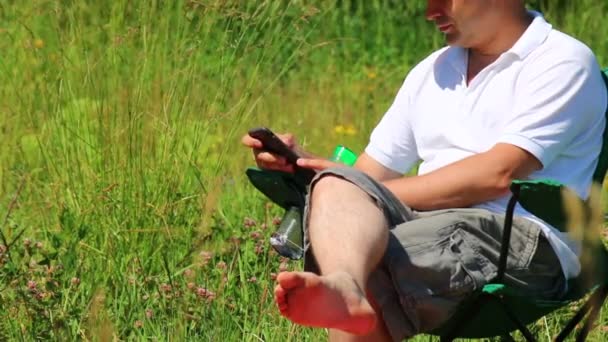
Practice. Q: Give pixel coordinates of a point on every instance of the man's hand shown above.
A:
(318, 164)
(267, 160)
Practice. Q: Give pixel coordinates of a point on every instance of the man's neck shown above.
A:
(486, 53)
(508, 33)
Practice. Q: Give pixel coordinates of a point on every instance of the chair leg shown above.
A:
(471, 311)
(507, 338)
(580, 314)
(597, 305)
(524, 330)
(595, 302)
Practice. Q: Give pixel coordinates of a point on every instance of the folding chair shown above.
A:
(496, 309)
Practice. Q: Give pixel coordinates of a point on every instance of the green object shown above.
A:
(496, 309)
(283, 188)
(541, 198)
(343, 155)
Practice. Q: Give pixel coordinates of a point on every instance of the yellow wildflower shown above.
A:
(38, 43)
(350, 130)
(345, 130)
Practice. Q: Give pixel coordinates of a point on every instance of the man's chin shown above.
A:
(451, 39)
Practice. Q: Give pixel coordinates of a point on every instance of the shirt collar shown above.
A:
(536, 33)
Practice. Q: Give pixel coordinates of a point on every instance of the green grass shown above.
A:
(124, 209)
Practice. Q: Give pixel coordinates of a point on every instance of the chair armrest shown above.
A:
(544, 199)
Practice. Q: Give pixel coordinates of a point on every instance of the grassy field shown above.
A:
(124, 210)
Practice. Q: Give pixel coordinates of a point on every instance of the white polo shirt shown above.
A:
(545, 95)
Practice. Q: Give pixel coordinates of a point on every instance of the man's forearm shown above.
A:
(476, 179)
(433, 191)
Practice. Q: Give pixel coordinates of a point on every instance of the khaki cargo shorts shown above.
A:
(435, 259)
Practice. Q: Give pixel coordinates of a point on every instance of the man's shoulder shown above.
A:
(559, 47)
(429, 62)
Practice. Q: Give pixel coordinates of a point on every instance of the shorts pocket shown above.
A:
(466, 249)
(448, 266)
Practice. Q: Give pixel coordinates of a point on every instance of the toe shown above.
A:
(279, 293)
(290, 280)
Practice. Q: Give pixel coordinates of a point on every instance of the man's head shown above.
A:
(473, 23)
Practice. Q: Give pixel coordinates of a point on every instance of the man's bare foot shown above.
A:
(331, 301)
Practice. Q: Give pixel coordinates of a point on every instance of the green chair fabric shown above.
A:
(282, 188)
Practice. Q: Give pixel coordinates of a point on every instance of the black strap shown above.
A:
(506, 234)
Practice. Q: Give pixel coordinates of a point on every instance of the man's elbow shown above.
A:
(502, 182)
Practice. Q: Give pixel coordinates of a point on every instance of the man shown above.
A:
(509, 98)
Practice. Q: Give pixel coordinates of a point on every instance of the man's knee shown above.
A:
(325, 182)
(335, 188)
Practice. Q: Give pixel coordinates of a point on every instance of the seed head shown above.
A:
(206, 256)
(165, 288)
(259, 249)
(276, 221)
(255, 235)
(201, 292)
(248, 222)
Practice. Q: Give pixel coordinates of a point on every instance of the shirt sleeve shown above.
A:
(556, 103)
(392, 142)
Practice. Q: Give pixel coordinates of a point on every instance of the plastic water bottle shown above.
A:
(344, 155)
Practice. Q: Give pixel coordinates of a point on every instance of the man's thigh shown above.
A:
(436, 260)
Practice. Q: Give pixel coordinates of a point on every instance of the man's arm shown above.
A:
(374, 169)
(476, 179)
(479, 178)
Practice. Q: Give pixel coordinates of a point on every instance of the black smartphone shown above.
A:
(273, 144)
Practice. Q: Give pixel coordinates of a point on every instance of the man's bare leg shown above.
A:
(349, 235)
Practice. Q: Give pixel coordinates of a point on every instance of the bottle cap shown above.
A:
(343, 155)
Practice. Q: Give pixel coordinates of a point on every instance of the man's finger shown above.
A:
(316, 164)
(269, 158)
(248, 141)
(274, 166)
